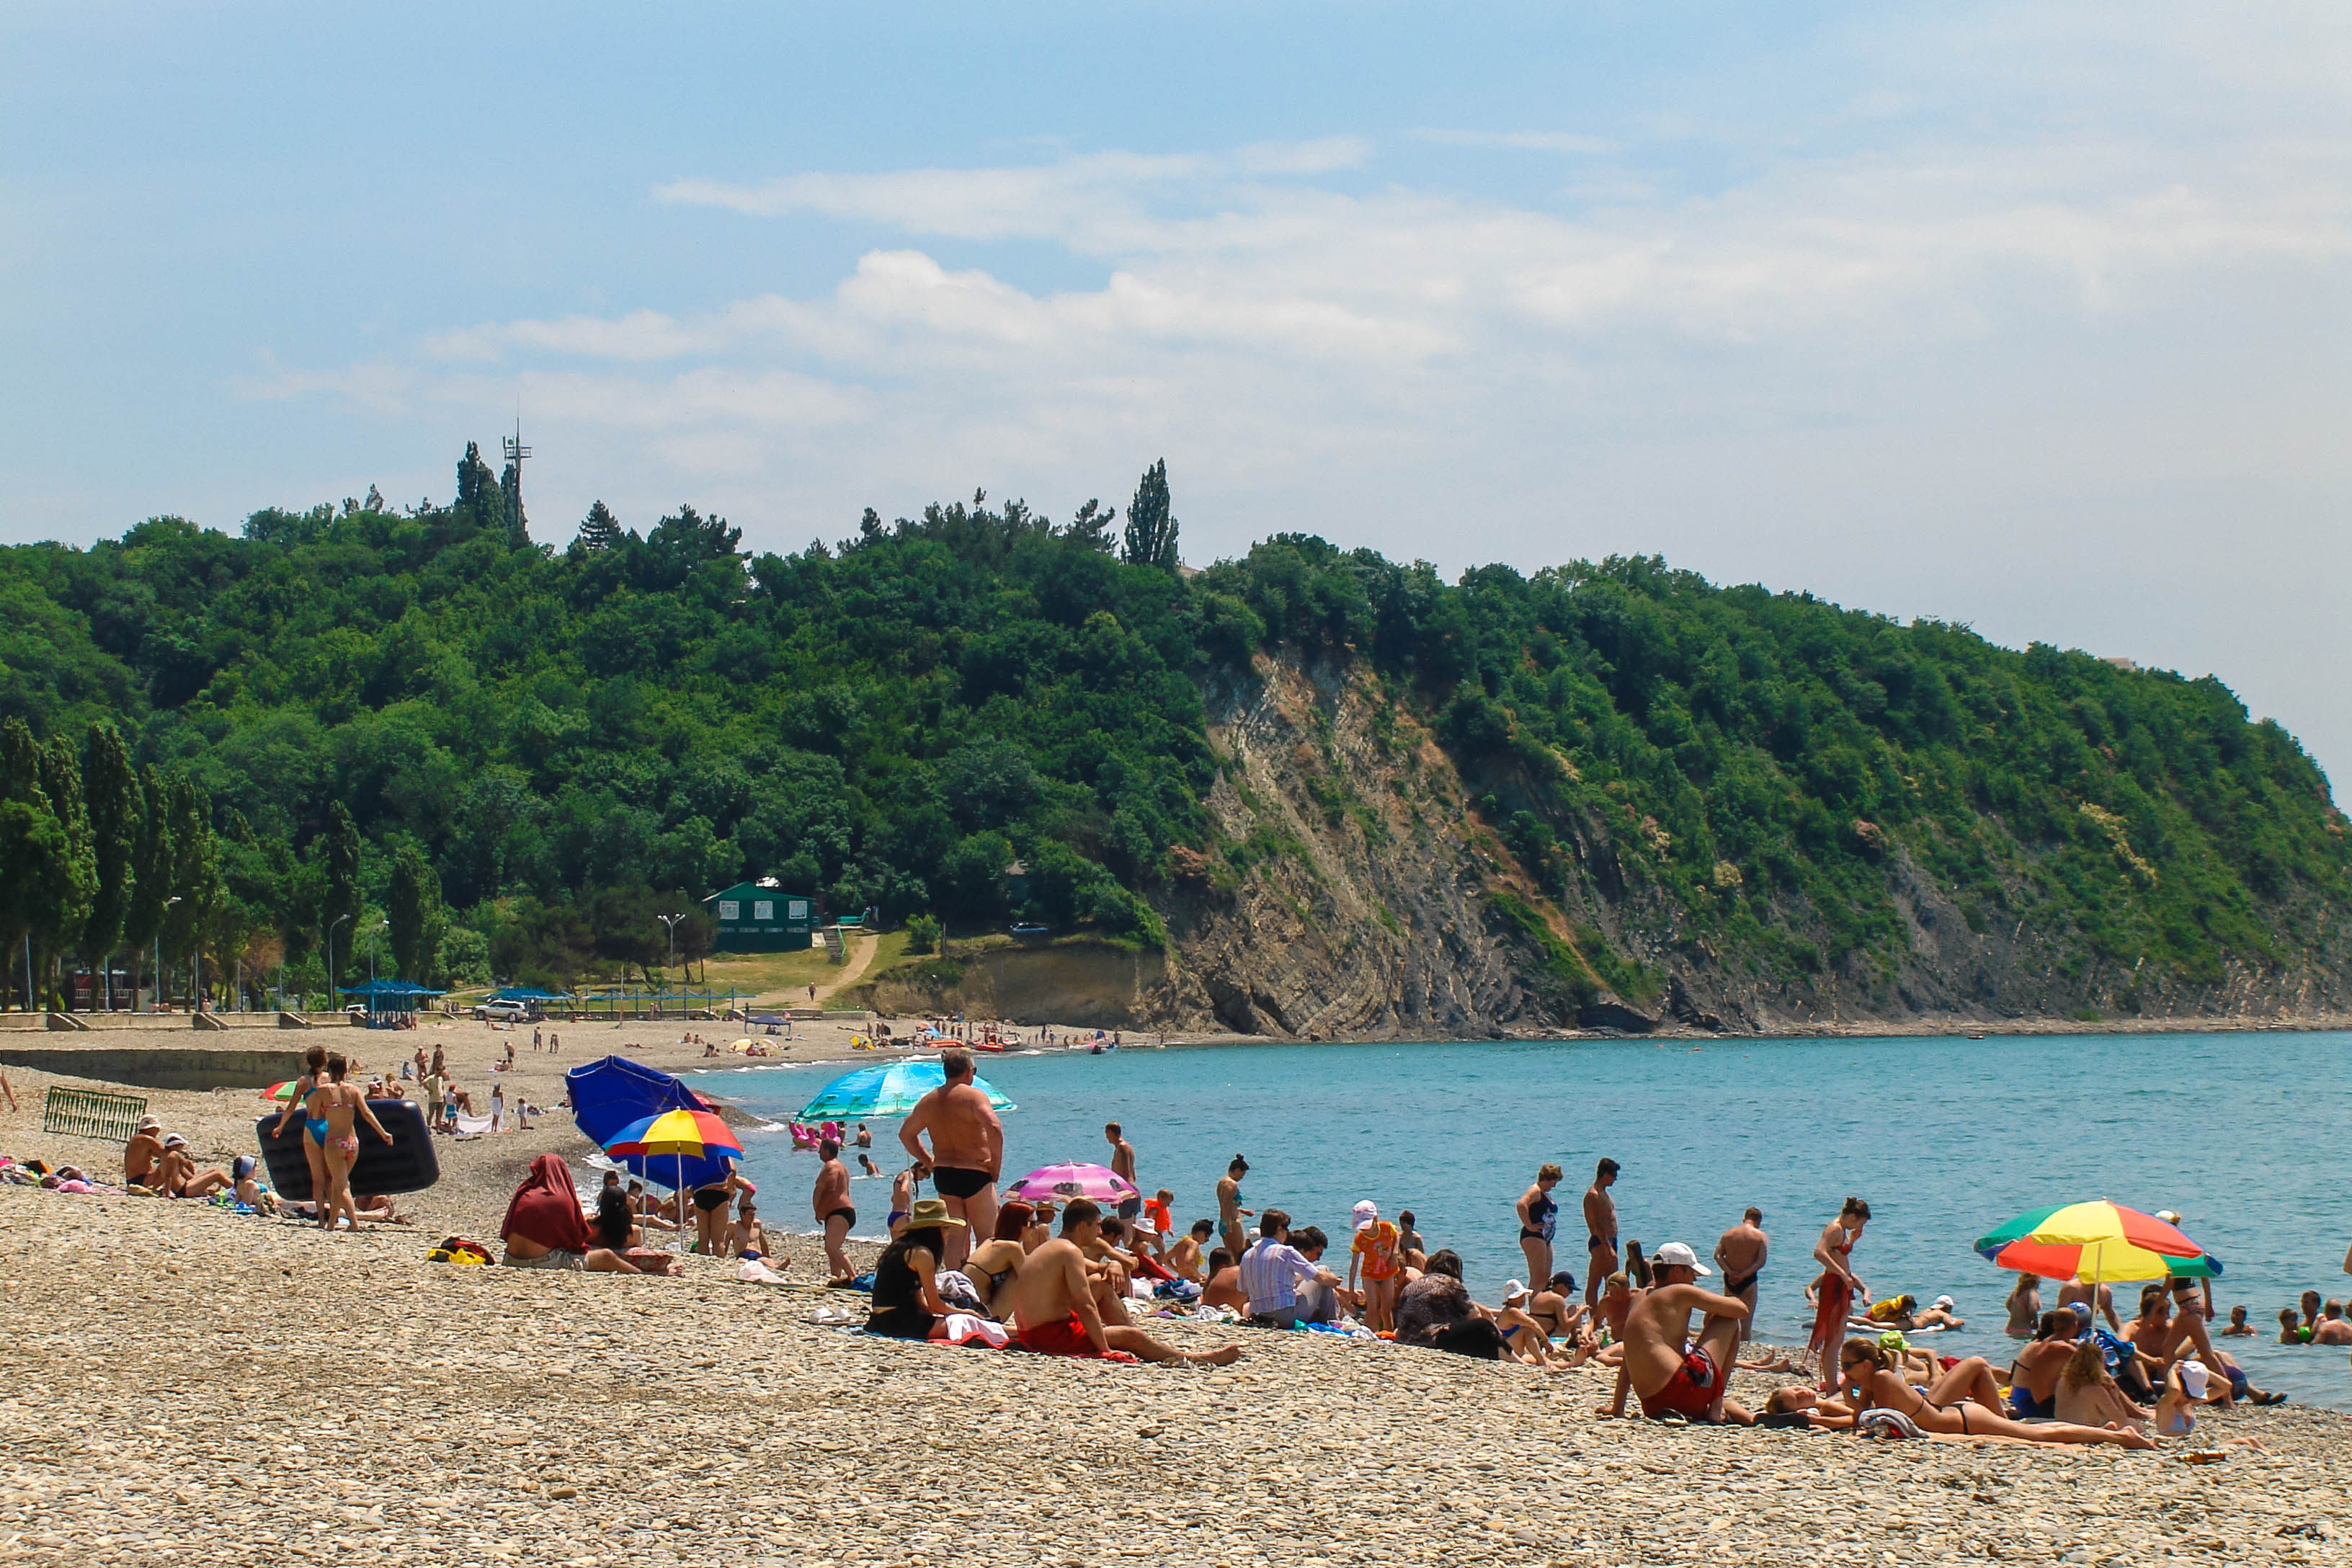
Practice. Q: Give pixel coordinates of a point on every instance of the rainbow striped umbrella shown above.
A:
(679, 1132)
(2096, 1241)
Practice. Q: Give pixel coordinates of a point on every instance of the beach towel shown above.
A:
(1886, 1424)
(472, 1126)
(965, 1328)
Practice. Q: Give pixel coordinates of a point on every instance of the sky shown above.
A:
(2034, 317)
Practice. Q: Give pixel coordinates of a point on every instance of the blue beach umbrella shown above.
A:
(890, 1090)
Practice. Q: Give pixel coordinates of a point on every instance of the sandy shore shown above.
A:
(196, 1386)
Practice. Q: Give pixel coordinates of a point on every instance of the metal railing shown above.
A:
(86, 1113)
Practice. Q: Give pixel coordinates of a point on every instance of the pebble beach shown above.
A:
(194, 1386)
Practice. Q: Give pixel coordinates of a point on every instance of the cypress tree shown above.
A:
(110, 793)
(150, 869)
(195, 868)
(75, 885)
(413, 904)
(1151, 527)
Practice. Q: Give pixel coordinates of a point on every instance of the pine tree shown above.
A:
(110, 793)
(600, 530)
(342, 888)
(1151, 527)
(412, 903)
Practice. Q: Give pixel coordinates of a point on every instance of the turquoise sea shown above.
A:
(1946, 1137)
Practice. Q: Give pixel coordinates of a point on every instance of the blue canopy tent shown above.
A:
(390, 1001)
(527, 993)
(610, 1093)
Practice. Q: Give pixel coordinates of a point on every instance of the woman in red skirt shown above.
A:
(1838, 1288)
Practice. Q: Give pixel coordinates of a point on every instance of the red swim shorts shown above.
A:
(1068, 1337)
(1689, 1393)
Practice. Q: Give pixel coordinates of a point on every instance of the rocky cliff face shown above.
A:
(1360, 887)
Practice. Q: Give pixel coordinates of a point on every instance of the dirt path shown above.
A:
(861, 958)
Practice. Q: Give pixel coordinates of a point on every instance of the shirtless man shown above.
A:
(2075, 1290)
(1230, 1212)
(830, 1200)
(1122, 1164)
(139, 1155)
(1740, 1253)
(1054, 1301)
(1670, 1375)
(2333, 1329)
(341, 1107)
(1184, 1259)
(2034, 1375)
(1600, 1230)
(750, 1234)
(966, 1154)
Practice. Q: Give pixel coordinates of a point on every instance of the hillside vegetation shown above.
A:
(519, 753)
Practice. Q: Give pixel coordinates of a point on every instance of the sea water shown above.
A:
(1946, 1137)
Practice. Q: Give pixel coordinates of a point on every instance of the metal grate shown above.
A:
(85, 1113)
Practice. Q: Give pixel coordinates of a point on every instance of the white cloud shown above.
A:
(1519, 141)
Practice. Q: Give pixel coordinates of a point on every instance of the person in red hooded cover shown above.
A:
(545, 1229)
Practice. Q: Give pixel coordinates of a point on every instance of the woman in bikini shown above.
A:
(2087, 1394)
(314, 1072)
(1836, 1291)
(335, 1109)
(1956, 1406)
(993, 1263)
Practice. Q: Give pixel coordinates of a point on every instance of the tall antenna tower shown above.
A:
(515, 453)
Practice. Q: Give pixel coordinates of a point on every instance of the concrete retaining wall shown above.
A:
(196, 1066)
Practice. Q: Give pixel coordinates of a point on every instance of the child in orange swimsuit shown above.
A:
(1374, 1254)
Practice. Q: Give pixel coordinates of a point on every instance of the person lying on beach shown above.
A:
(545, 1229)
(1954, 1405)
(1054, 1303)
(378, 1207)
(1225, 1283)
(2087, 1394)
(2239, 1328)
(2033, 1374)
(1662, 1365)
(1820, 1413)
(992, 1264)
(1185, 1260)
(1435, 1311)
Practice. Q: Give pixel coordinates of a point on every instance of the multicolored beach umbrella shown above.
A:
(2096, 1241)
(679, 1133)
(890, 1090)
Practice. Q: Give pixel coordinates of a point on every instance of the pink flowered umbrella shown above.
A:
(1058, 1182)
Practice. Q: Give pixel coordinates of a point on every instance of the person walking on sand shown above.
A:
(830, 1200)
(335, 1111)
(1662, 1365)
(1054, 1303)
(1600, 1231)
(1740, 1253)
(1122, 1164)
(1538, 1220)
(1230, 1212)
(314, 1073)
(1838, 1288)
(966, 1153)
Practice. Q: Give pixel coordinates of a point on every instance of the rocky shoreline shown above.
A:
(196, 1386)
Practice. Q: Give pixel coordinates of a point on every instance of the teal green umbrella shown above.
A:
(889, 1089)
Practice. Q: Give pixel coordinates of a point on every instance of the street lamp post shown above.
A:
(159, 952)
(330, 959)
(671, 922)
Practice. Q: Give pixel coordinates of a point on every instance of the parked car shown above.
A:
(503, 1012)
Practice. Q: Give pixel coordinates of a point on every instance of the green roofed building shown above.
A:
(761, 917)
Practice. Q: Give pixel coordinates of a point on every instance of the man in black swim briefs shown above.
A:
(1740, 1253)
(1600, 1231)
(830, 1200)
(965, 1154)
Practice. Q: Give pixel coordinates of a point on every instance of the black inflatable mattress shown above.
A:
(407, 1165)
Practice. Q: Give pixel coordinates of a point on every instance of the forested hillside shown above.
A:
(517, 753)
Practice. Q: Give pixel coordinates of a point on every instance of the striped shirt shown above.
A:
(1271, 1273)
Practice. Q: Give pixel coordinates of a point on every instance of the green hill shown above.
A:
(1664, 791)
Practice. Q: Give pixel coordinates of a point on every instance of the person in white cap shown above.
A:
(1673, 1375)
(1374, 1255)
(1944, 1314)
(2187, 1385)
